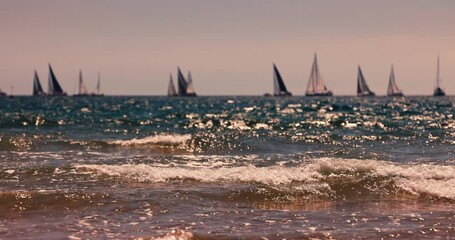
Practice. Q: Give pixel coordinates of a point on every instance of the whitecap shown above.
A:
(170, 139)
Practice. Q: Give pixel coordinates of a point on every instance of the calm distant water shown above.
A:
(227, 168)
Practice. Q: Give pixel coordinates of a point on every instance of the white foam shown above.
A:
(171, 139)
(147, 173)
(434, 180)
(176, 235)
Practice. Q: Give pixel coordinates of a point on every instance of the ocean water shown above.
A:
(227, 168)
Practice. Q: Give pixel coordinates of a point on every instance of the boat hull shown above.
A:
(88, 95)
(438, 92)
(188, 95)
(369, 94)
(284, 94)
(324, 94)
(395, 95)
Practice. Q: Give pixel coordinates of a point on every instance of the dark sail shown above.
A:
(37, 88)
(279, 86)
(182, 83)
(362, 86)
(171, 89)
(54, 86)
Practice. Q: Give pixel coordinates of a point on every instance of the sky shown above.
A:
(229, 46)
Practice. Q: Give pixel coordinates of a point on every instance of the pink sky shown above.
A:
(229, 46)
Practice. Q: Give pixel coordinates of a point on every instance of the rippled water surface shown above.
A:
(227, 168)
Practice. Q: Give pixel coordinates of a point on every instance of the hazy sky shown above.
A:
(229, 46)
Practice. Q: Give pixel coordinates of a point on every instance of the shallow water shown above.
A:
(227, 168)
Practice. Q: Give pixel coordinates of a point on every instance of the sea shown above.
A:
(227, 168)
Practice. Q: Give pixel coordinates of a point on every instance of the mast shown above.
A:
(438, 92)
(82, 88)
(80, 82)
(313, 75)
(98, 84)
(437, 75)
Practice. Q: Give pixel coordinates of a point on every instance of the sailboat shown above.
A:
(190, 89)
(185, 88)
(171, 89)
(438, 92)
(316, 86)
(37, 88)
(82, 89)
(54, 87)
(362, 86)
(279, 88)
(97, 92)
(392, 89)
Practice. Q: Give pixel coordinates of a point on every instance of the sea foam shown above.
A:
(316, 176)
(165, 139)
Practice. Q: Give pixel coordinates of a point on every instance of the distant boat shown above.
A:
(83, 92)
(279, 88)
(185, 88)
(37, 88)
(392, 89)
(362, 86)
(54, 87)
(171, 89)
(97, 92)
(438, 92)
(316, 86)
(82, 89)
(2, 94)
(190, 89)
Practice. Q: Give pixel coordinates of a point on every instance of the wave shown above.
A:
(325, 177)
(164, 139)
(43, 143)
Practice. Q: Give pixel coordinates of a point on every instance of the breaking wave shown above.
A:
(165, 139)
(319, 177)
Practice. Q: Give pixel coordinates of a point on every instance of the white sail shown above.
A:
(392, 89)
(316, 86)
